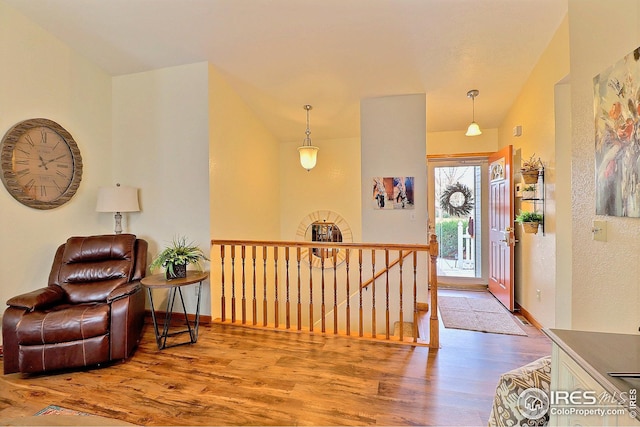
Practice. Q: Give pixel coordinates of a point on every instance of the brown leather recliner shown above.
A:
(92, 311)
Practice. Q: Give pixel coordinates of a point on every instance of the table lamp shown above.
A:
(117, 199)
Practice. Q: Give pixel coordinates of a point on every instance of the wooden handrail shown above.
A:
(330, 267)
(320, 245)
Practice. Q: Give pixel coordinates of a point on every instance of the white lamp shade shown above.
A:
(473, 130)
(117, 199)
(308, 156)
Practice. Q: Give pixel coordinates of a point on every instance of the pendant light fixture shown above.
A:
(308, 153)
(473, 129)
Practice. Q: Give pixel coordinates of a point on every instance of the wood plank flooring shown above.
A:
(237, 376)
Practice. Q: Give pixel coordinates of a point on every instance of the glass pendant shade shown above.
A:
(308, 156)
(473, 130)
(308, 153)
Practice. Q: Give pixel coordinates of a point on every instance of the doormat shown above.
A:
(477, 314)
(57, 410)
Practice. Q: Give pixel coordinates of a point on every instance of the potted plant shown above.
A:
(529, 221)
(175, 258)
(529, 192)
(530, 168)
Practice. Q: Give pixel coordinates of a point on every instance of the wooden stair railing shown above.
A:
(295, 267)
(365, 285)
(384, 270)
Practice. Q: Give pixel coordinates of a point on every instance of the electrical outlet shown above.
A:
(538, 294)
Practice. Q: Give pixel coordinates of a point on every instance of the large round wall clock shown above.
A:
(41, 163)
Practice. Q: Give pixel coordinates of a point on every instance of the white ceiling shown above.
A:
(282, 54)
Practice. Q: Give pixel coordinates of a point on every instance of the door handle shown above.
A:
(509, 238)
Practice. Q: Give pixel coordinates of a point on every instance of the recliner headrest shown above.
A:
(99, 248)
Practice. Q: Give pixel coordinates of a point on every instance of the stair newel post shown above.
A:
(287, 305)
(264, 286)
(401, 320)
(335, 291)
(310, 289)
(348, 294)
(322, 307)
(276, 308)
(254, 301)
(233, 283)
(373, 293)
(360, 307)
(298, 253)
(415, 296)
(386, 263)
(434, 339)
(223, 302)
(244, 284)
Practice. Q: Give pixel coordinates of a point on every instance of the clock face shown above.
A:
(41, 163)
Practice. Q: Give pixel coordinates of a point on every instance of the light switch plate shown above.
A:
(599, 231)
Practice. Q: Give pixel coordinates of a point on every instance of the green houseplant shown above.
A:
(175, 258)
(529, 221)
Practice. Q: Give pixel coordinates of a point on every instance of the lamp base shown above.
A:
(118, 218)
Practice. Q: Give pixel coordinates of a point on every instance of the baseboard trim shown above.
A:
(528, 316)
(177, 317)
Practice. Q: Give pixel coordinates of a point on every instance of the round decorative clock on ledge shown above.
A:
(323, 226)
(40, 163)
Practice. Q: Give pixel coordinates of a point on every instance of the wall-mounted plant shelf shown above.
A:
(534, 196)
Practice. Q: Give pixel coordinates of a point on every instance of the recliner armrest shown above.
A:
(124, 290)
(38, 299)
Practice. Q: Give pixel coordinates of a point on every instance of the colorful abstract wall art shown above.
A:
(617, 138)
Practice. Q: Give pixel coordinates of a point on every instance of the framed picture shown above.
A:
(393, 193)
(617, 138)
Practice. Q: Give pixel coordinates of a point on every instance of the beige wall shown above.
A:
(534, 110)
(41, 77)
(606, 275)
(334, 184)
(564, 238)
(243, 175)
(455, 142)
(393, 143)
(161, 146)
(244, 168)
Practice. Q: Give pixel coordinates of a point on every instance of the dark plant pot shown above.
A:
(179, 270)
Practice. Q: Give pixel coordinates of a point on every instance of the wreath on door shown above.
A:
(457, 200)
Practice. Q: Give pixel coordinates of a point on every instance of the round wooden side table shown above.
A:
(174, 286)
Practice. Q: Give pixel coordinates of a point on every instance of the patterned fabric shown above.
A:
(505, 410)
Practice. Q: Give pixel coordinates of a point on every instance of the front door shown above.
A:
(501, 233)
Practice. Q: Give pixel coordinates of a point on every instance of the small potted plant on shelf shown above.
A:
(530, 168)
(175, 258)
(529, 221)
(529, 192)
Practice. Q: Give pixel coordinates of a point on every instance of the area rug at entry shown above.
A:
(477, 314)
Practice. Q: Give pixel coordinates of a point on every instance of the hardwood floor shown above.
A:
(237, 376)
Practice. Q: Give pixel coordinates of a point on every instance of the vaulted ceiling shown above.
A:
(282, 54)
